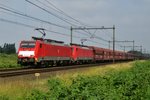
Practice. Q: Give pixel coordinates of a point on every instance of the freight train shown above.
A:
(48, 52)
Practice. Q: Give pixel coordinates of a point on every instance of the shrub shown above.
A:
(8, 61)
(4, 97)
(129, 84)
(37, 95)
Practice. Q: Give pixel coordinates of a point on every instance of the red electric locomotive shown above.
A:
(44, 51)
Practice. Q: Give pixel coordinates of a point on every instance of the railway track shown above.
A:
(25, 71)
(14, 69)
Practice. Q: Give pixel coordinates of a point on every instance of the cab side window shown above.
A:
(40, 45)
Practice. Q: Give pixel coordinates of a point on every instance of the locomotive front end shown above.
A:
(26, 53)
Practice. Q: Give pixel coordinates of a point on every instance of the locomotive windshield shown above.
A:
(27, 44)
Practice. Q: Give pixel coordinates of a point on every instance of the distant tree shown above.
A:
(1, 49)
(135, 52)
(8, 48)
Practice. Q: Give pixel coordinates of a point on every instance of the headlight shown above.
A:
(32, 56)
(20, 55)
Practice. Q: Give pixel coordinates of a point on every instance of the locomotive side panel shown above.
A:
(54, 53)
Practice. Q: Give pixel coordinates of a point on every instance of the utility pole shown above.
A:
(144, 51)
(113, 43)
(71, 35)
(109, 44)
(133, 45)
(141, 50)
(84, 28)
(124, 48)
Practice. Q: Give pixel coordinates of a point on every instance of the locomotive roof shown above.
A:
(81, 46)
(78, 45)
(48, 40)
(26, 41)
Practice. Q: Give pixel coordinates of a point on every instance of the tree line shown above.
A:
(8, 48)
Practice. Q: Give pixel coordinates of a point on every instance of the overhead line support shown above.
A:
(84, 28)
(123, 42)
(134, 47)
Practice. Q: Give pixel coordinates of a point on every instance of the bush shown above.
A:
(4, 97)
(8, 61)
(37, 95)
(129, 84)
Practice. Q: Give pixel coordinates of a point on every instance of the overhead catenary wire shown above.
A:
(107, 34)
(60, 17)
(17, 23)
(9, 7)
(97, 42)
(65, 20)
(15, 15)
(24, 15)
(11, 10)
(33, 27)
(37, 19)
(61, 11)
(34, 18)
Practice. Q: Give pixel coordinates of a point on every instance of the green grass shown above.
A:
(18, 90)
(8, 61)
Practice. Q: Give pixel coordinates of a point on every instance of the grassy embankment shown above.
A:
(79, 83)
(8, 61)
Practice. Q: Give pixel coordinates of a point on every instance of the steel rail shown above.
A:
(26, 71)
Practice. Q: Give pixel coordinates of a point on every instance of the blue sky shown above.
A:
(131, 18)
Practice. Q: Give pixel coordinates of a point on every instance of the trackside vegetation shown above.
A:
(125, 81)
(8, 60)
(133, 83)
